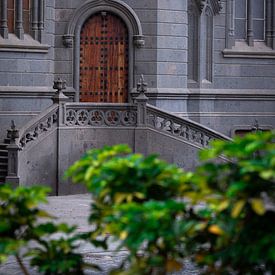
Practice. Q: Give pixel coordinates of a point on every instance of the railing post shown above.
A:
(141, 101)
(13, 150)
(60, 98)
(141, 134)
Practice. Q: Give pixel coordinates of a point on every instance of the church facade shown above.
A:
(210, 61)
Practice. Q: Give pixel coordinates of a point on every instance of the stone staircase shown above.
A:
(3, 162)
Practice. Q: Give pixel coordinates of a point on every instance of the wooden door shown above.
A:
(104, 59)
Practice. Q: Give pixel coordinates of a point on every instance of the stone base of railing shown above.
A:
(13, 181)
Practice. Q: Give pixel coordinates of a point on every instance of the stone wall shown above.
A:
(26, 74)
(45, 161)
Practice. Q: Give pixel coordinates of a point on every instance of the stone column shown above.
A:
(230, 36)
(19, 30)
(40, 19)
(269, 23)
(250, 34)
(4, 19)
(141, 139)
(35, 19)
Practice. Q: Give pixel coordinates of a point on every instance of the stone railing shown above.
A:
(75, 115)
(181, 128)
(44, 122)
(97, 114)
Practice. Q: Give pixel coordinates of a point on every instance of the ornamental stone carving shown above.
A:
(68, 40)
(118, 7)
(215, 5)
(97, 117)
(44, 124)
(180, 128)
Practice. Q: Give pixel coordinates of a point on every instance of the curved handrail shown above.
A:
(182, 128)
(39, 124)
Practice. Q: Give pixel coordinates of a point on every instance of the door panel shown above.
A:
(104, 59)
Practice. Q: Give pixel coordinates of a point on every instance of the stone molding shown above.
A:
(116, 6)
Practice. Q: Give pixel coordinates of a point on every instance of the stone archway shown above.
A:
(71, 38)
(104, 59)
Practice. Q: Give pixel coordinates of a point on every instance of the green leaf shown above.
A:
(258, 206)
(237, 208)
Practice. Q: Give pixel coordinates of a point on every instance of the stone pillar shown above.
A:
(40, 19)
(35, 19)
(141, 143)
(19, 30)
(141, 101)
(13, 150)
(60, 98)
(250, 34)
(269, 23)
(4, 19)
(230, 36)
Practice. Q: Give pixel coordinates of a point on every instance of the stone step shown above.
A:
(4, 165)
(3, 144)
(3, 152)
(3, 158)
(6, 141)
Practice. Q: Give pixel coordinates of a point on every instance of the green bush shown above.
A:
(239, 235)
(220, 216)
(23, 234)
(135, 200)
(217, 215)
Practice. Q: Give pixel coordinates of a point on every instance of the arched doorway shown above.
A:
(104, 59)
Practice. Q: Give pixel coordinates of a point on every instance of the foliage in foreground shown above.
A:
(135, 199)
(240, 194)
(51, 247)
(219, 215)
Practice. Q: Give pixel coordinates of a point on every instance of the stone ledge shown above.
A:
(242, 50)
(31, 91)
(28, 44)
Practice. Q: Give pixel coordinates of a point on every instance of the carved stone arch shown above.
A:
(213, 5)
(117, 7)
(207, 10)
